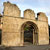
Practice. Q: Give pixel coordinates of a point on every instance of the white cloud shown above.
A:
(44, 3)
(46, 10)
(43, 0)
(15, 1)
(44, 7)
(0, 9)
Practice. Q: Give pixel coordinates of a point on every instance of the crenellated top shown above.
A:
(11, 9)
(41, 16)
(28, 13)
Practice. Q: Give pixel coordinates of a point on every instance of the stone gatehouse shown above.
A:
(19, 31)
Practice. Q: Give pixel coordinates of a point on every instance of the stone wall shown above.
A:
(43, 28)
(0, 22)
(42, 17)
(11, 10)
(12, 22)
(29, 14)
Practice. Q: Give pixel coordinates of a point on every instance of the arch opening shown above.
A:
(29, 33)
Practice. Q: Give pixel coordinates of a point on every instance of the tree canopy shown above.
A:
(49, 31)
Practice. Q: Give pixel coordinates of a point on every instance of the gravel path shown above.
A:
(39, 47)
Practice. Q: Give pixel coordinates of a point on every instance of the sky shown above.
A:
(36, 5)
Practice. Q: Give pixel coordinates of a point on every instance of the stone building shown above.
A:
(20, 31)
(0, 28)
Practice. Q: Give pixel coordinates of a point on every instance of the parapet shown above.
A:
(41, 16)
(28, 13)
(11, 9)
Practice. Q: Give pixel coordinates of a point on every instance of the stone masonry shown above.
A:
(13, 23)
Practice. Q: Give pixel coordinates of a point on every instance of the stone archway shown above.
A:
(29, 33)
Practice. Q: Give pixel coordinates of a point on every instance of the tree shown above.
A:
(49, 31)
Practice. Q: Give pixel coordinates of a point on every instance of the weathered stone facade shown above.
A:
(13, 26)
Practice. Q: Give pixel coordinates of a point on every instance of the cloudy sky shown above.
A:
(36, 5)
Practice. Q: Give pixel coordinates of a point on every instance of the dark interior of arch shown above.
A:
(28, 32)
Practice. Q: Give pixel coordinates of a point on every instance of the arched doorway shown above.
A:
(29, 33)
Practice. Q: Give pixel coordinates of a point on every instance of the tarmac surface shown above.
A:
(31, 47)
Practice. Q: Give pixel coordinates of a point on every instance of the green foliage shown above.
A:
(0, 31)
(49, 37)
(49, 31)
(26, 29)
